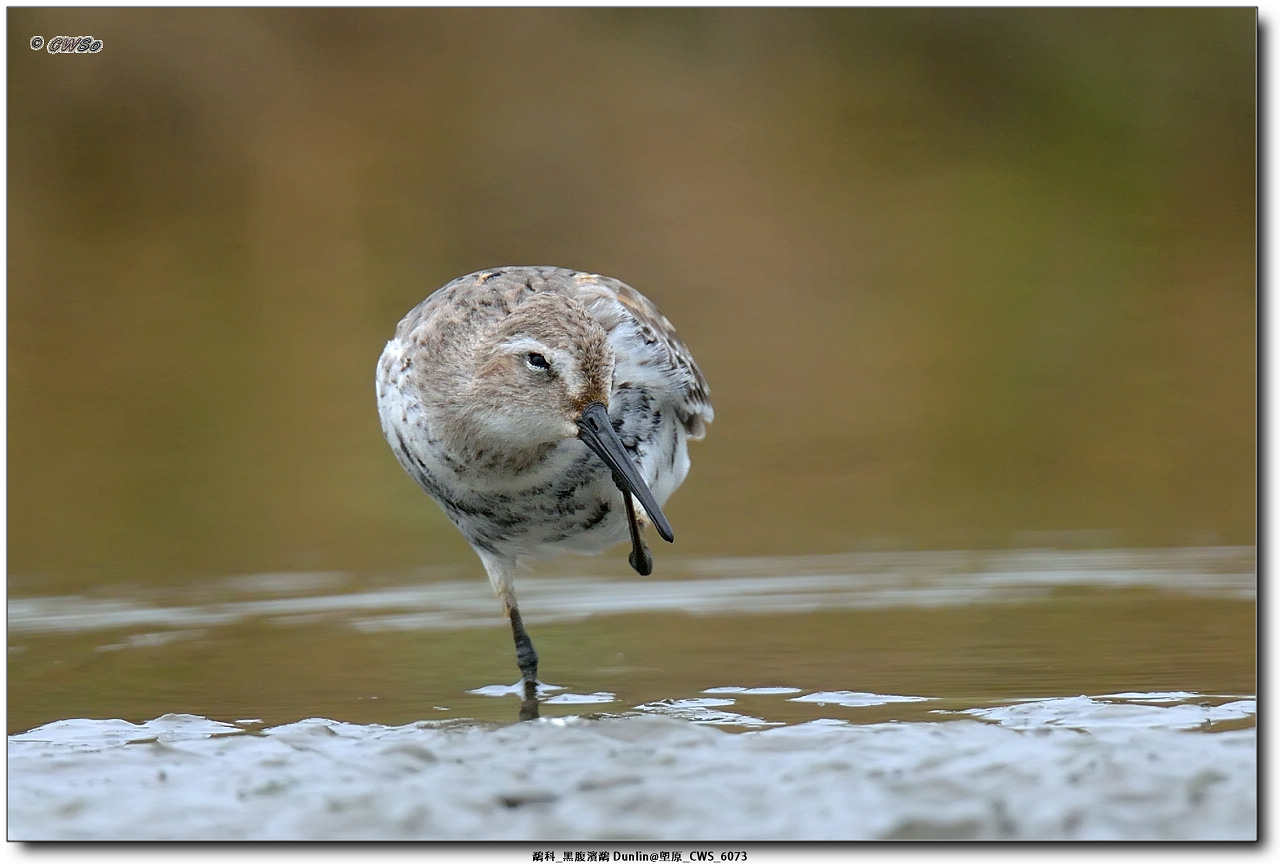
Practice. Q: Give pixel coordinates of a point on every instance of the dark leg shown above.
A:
(527, 660)
(526, 657)
(501, 572)
(640, 559)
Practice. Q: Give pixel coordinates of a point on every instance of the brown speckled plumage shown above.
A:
(483, 394)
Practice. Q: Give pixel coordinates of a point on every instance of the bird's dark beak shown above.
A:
(596, 432)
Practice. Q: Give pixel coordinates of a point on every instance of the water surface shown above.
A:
(962, 627)
(1036, 694)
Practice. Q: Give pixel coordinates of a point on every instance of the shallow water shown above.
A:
(1032, 694)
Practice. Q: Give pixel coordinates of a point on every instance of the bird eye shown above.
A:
(536, 361)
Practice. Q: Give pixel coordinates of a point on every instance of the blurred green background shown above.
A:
(958, 279)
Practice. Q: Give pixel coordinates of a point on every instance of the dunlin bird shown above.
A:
(545, 410)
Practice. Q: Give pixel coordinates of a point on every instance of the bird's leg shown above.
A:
(527, 660)
(501, 572)
(526, 657)
(501, 577)
(640, 558)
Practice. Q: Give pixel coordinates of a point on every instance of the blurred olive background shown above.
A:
(958, 279)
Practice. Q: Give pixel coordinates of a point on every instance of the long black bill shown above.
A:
(596, 432)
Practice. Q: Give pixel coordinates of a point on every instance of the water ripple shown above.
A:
(725, 586)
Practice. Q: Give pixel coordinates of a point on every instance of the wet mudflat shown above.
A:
(1096, 769)
(1037, 695)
